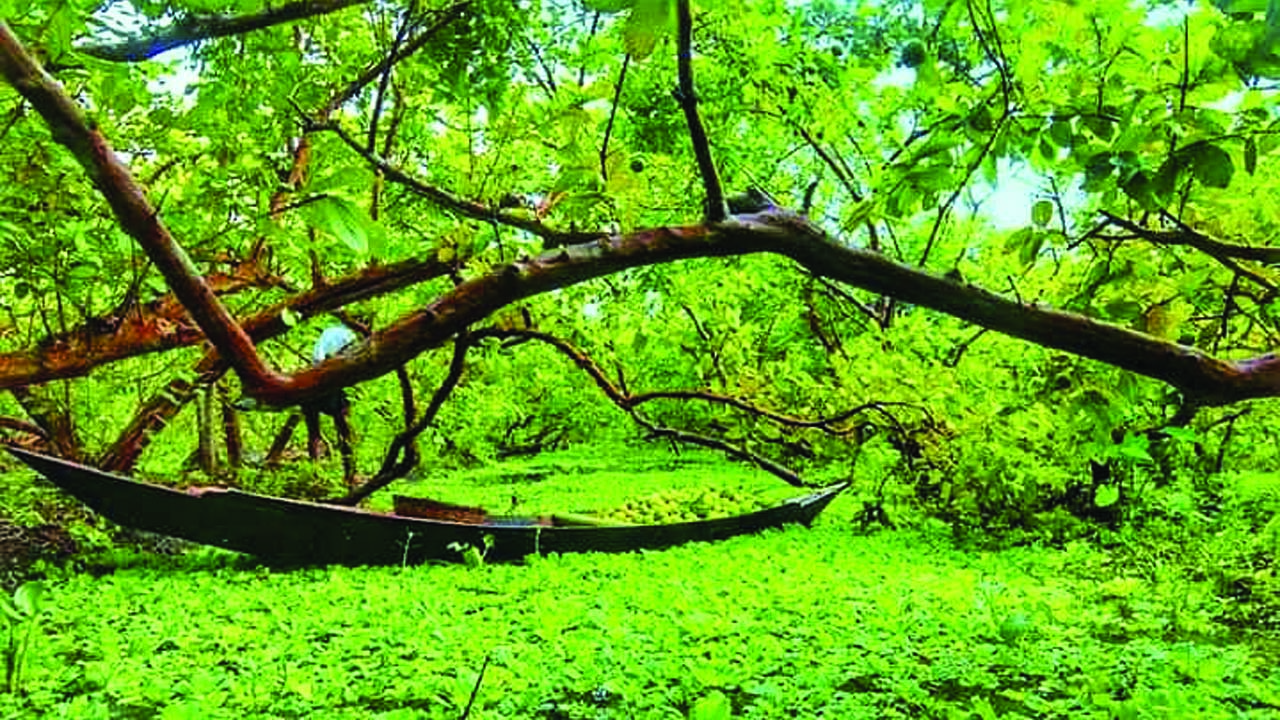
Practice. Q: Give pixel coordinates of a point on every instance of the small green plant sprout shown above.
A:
(1123, 591)
(472, 555)
(712, 706)
(20, 614)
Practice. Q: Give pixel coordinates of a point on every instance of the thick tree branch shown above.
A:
(1221, 251)
(71, 128)
(194, 28)
(1211, 381)
(162, 325)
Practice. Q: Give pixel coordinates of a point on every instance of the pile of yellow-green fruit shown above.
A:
(683, 505)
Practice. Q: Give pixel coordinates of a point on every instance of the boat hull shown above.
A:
(292, 532)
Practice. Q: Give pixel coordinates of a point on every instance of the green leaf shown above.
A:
(61, 28)
(1124, 310)
(608, 6)
(1211, 165)
(712, 706)
(1134, 448)
(649, 20)
(1250, 155)
(937, 177)
(1027, 243)
(980, 119)
(1102, 127)
(1060, 133)
(29, 598)
(10, 611)
(81, 274)
(1106, 496)
(1042, 213)
(344, 220)
(1243, 6)
(1097, 170)
(1143, 190)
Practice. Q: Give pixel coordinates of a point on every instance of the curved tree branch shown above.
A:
(402, 455)
(1210, 380)
(622, 399)
(1224, 252)
(194, 28)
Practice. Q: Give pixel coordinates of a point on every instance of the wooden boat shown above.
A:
(292, 532)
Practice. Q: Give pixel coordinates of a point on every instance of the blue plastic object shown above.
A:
(332, 341)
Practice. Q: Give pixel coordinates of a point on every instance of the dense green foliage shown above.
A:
(1115, 545)
(1121, 110)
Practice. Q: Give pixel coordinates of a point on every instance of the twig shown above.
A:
(475, 690)
(373, 72)
(450, 201)
(957, 352)
(613, 112)
(380, 95)
(1226, 438)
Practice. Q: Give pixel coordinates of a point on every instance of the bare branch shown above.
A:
(628, 403)
(1225, 253)
(461, 206)
(402, 455)
(613, 112)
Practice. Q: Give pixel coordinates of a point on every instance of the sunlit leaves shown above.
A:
(713, 706)
(347, 222)
(647, 22)
(609, 6)
(1042, 212)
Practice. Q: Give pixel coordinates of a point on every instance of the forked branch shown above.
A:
(624, 400)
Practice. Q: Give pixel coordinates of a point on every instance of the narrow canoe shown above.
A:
(293, 532)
